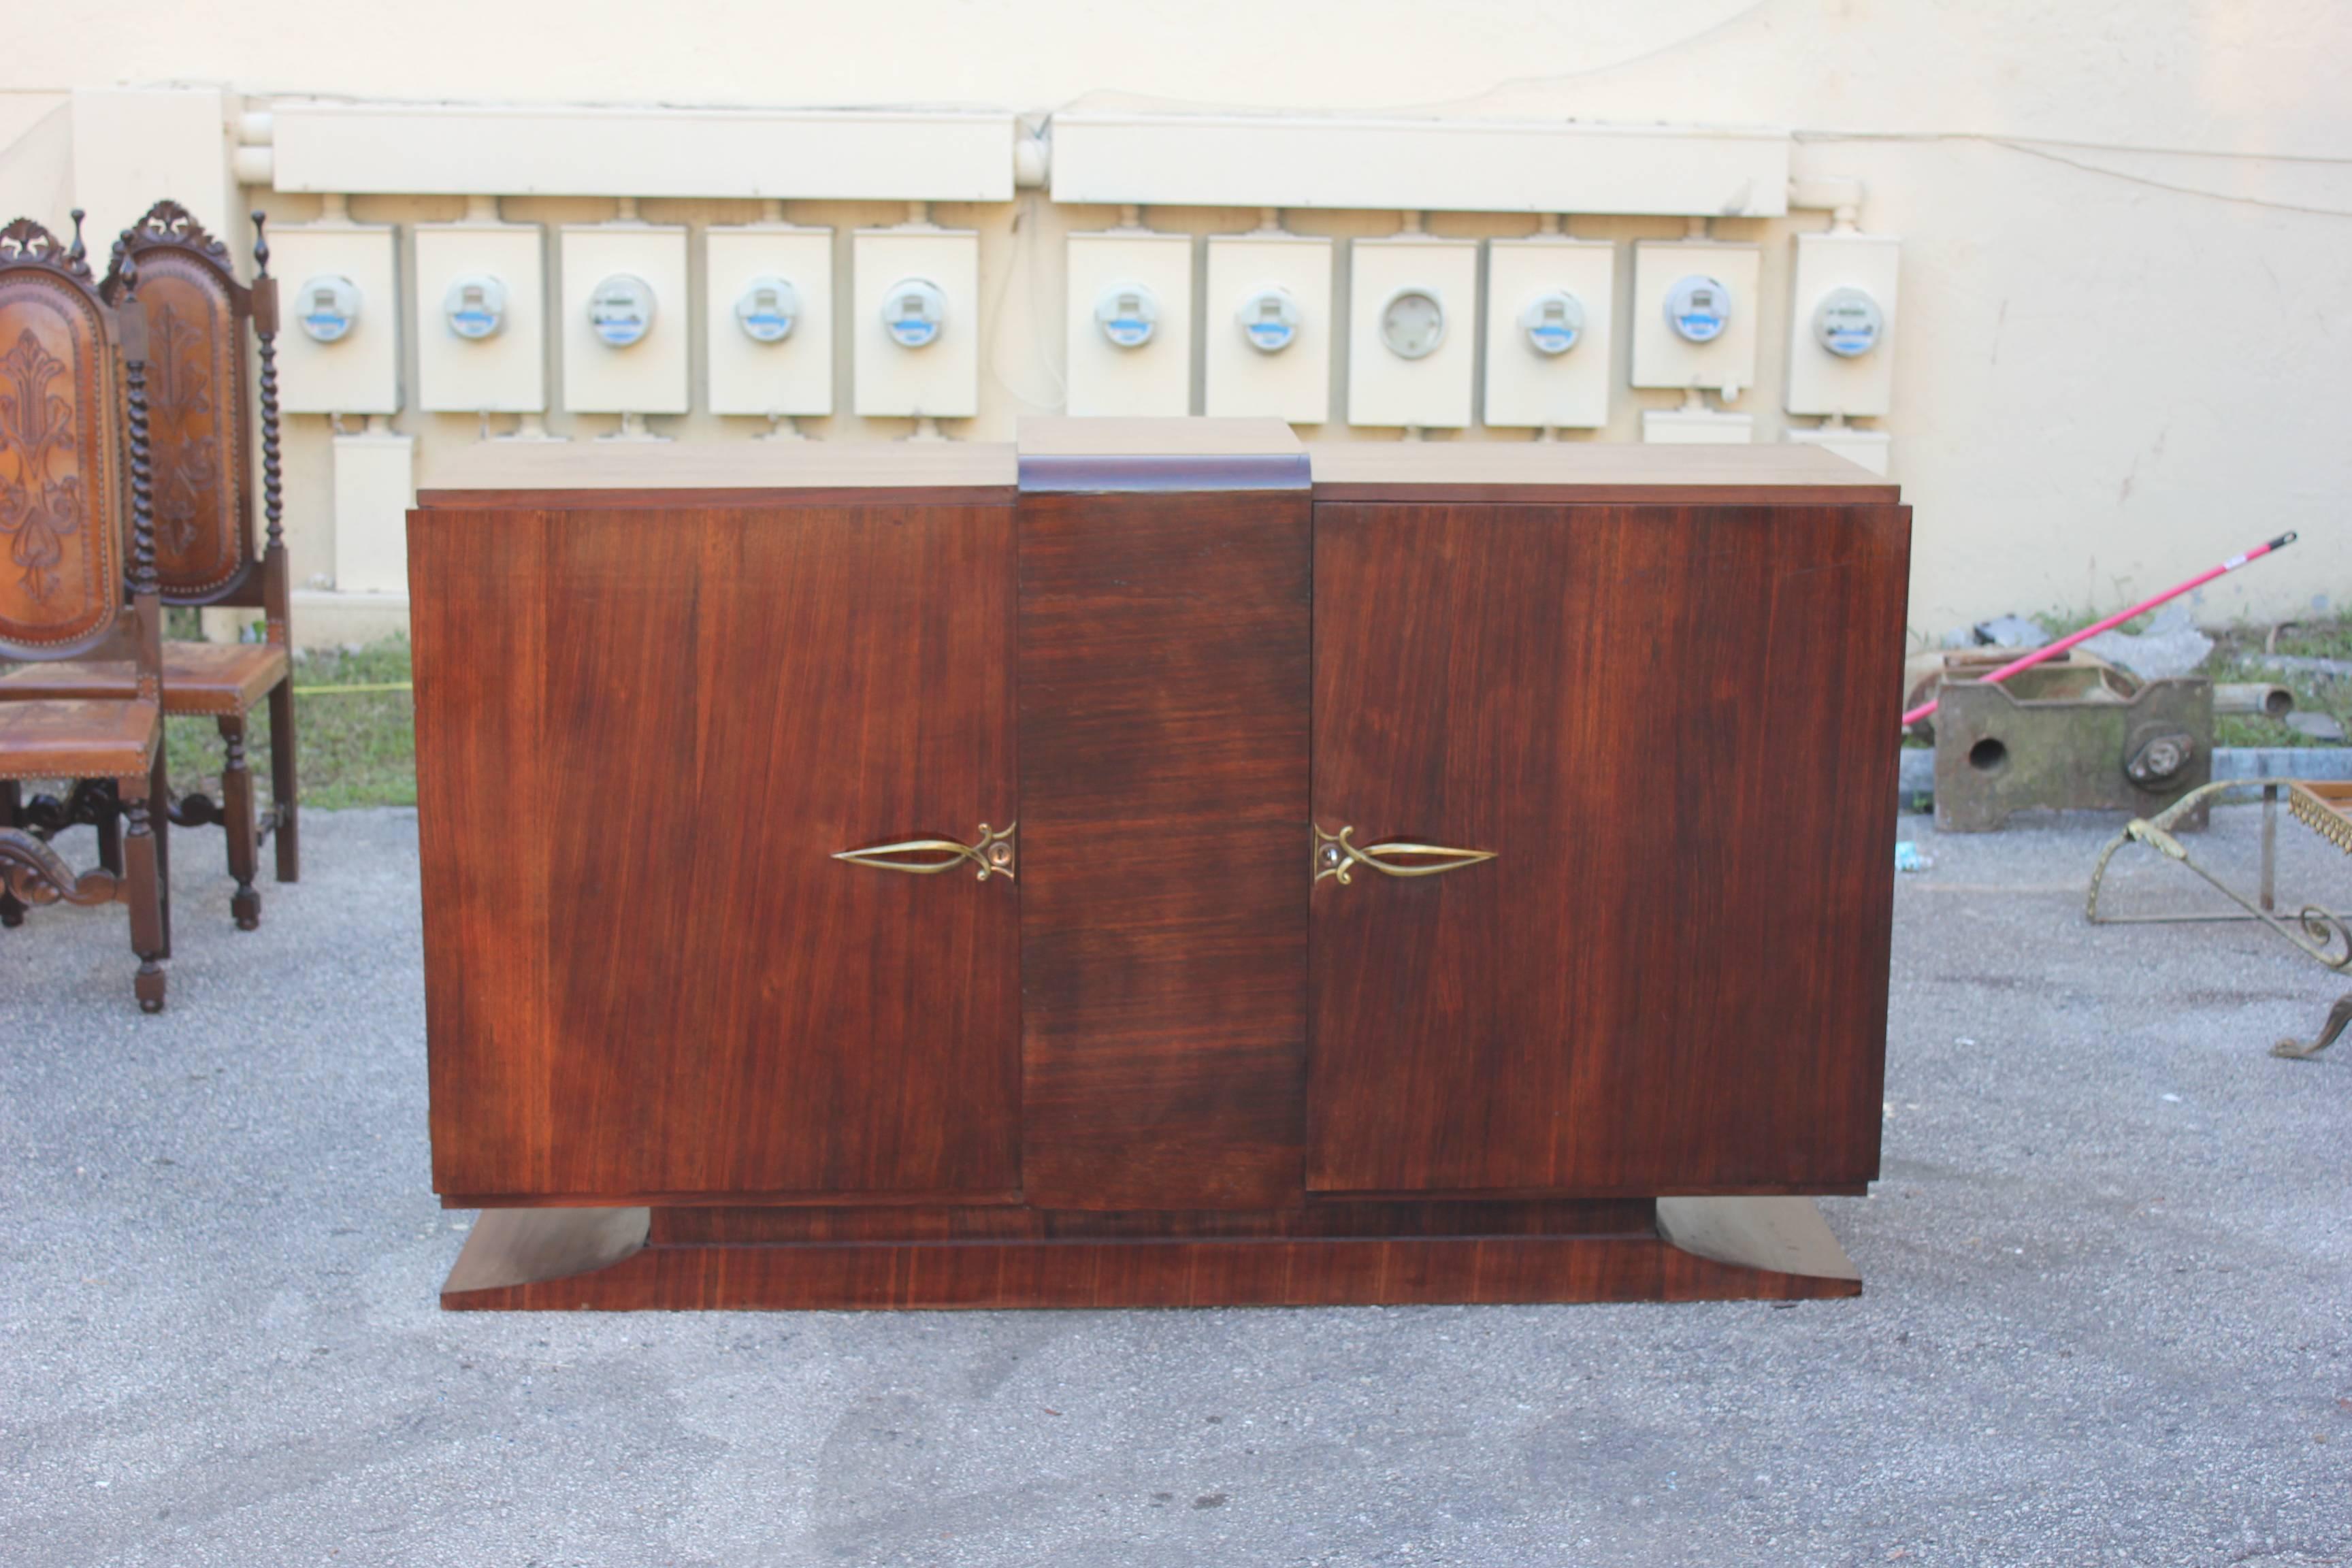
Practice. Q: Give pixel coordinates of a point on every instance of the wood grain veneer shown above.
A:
(641, 738)
(1672, 975)
(1163, 679)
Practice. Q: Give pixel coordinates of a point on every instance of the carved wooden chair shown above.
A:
(73, 419)
(202, 438)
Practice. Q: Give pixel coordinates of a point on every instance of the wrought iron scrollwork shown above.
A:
(2322, 935)
(1336, 856)
(993, 852)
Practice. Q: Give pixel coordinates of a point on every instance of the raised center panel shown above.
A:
(1163, 689)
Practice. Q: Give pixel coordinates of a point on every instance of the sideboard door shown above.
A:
(1673, 729)
(644, 735)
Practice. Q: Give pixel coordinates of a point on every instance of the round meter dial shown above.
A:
(1848, 322)
(768, 308)
(620, 310)
(1268, 318)
(1553, 321)
(913, 313)
(1699, 308)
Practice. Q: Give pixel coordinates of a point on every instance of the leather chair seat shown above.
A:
(77, 740)
(198, 677)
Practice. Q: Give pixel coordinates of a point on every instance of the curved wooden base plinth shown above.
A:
(1699, 1250)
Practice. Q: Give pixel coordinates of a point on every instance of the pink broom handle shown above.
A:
(2052, 650)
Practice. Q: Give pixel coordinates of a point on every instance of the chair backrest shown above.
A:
(64, 464)
(199, 397)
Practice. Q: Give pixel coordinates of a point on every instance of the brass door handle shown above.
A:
(1335, 855)
(991, 852)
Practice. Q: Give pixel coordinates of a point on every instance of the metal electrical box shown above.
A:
(339, 310)
(1695, 314)
(623, 308)
(1269, 331)
(768, 320)
(1551, 308)
(481, 318)
(1413, 331)
(1842, 324)
(1130, 324)
(915, 323)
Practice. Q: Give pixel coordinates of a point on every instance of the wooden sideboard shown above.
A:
(1433, 872)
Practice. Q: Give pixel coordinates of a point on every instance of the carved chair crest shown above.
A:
(197, 314)
(61, 449)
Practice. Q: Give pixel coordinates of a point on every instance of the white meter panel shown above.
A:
(624, 316)
(1697, 427)
(915, 323)
(1696, 313)
(1109, 375)
(492, 273)
(1874, 449)
(1552, 311)
(344, 277)
(1412, 337)
(1257, 284)
(753, 277)
(1842, 324)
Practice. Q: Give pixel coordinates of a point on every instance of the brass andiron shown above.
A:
(1335, 855)
(991, 852)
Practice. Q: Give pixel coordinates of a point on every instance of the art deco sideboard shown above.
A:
(1147, 864)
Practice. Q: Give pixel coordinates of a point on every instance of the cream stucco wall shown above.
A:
(2127, 280)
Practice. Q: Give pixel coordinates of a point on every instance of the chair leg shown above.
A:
(12, 796)
(145, 881)
(237, 822)
(158, 812)
(110, 827)
(283, 788)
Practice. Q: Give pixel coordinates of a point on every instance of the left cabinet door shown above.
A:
(643, 735)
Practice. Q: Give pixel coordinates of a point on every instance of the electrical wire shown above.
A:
(2040, 147)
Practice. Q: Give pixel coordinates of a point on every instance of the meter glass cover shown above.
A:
(1848, 322)
(1553, 321)
(330, 305)
(768, 308)
(1699, 308)
(620, 310)
(1127, 313)
(475, 306)
(1269, 319)
(913, 313)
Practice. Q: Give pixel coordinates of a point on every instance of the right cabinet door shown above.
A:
(1673, 729)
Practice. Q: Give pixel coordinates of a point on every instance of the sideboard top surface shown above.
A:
(1789, 474)
(501, 469)
(571, 473)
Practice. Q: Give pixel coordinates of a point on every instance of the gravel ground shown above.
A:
(2107, 1318)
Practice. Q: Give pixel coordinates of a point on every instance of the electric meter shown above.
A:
(1699, 308)
(330, 308)
(1269, 319)
(620, 310)
(1553, 321)
(913, 312)
(1127, 313)
(768, 308)
(1848, 322)
(1413, 323)
(476, 305)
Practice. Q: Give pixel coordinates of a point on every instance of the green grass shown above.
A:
(351, 748)
(2237, 657)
